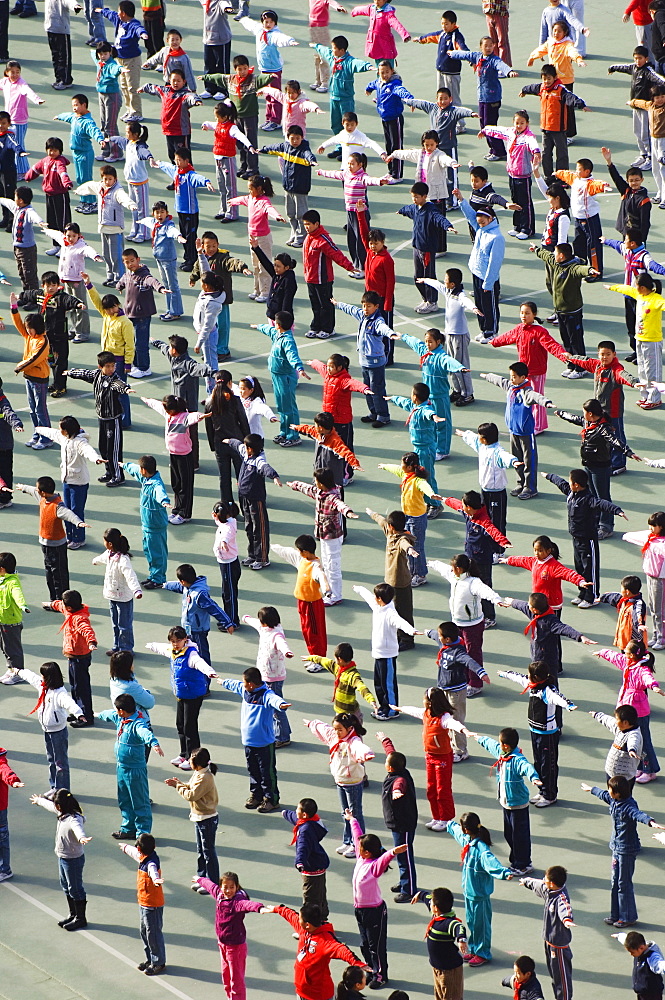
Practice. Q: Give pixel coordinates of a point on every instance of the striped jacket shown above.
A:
(106, 389)
(355, 185)
(327, 512)
(348, 683)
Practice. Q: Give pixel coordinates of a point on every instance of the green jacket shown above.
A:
(241, 92)
(12, 601)
(566, 281)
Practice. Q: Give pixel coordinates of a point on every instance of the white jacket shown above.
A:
(71, 262)
(273, 650)
(206, 310)
(385, 622)
(430, 167)
(455, 324)
(110, 208)
(225, 545)
(256, 410)
(120, 581)
(57, 704)
(466, 594)
(75, 453)
(346, 763)
(493, 460)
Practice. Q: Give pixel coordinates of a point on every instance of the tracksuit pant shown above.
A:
(189, 224)
(201, 640)
(168, 275)
(249, 162)
(457, 346)
(424, 266)
(373, 930)
(524, 221)
(323, 311)
(313, 626)
(110, 446)
(314, 891)
(452, 82)
(404, 608)
(84, 161)
(257, 528)
(112, 244)
(338, 105)
(225, 167)
(155, 550)
(586, 553)
(546, 762)
(560, 967)
(182, 484)
(58, 211)
(150, 926)
(230, 573)
(134, 799)
(440, 402)
(405, 861)
(457, 699)
(26, 265)
(295, 206)
(650, 368)
(472, 637)
(496, 502)
(539, 412)
(497, 29)
(284, 388)
(357, 251)
(488, 112)
(262, 767)
(109, 109)
(11, 646)
(57, 569)
(187, 723)
(439, 776)
(140, 193)
(599, 484)
(375, 379)
(223, 331)
(60, 351)
(571, 331)
(586, 243)
(217, 58)
(60, 45)
(641, 131)
(226, 457)
(385, 683)
(331, 560)
(79, 682)
(655, 600)
(517, 833)
(233, 960)
(554, 142)
(79, 319)
(479, 925)
(280, 717)
(525, 449)
(487, 300)
(393, 132)
(485, 574)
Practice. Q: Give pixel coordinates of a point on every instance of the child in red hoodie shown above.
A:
(337, 388)
(56, 183)
(318, 254)
(78, 642)
(379, 274)
(7, 779)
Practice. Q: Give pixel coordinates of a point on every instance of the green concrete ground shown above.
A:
(41, 962)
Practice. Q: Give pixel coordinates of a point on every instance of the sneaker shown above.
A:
(426, 308)
(380, 423)
(315, 85)
(540, 802)
(576, 600)
(205, 95)
(75, 545)
(219, 96)
(342, 848)
(78, 339)
(10, 503)
(276, 440)
(357, 274)
(521, 872)
(645, 778)
(609, 921)
(402, 897)
(139, 372)
(268, 806)
(440, 457)
(185, 766)
(322, 89)
(312, 334)
(324, 334)
(461, 756)
(259, 565)
(124, 835)
(512, 232)
(602, 535)
(350, 852)
(480, 338)
(473, 692)
(626, 923)
(575, 373)
(270, 126)
(59, 85)
(280, 744)
(176, 519)
(527, 494)
(647, 164)
(53, 252)
(658, 645)
(639, 162)
(631, 358)
(553, 318)
(201, 891)
(290, 443)
(11, 677)
(465, 401)
(585, 605)
(246, 562)
(493, 158)
(252, 803)
(314, 668)
(260, 298)
(438, 826)
(523, 236)
(385, 717)
(516, 492)
(476, 959)
(432, 823)
(57, 393)
(489, 623)
(112, 483)
(177, 761)
(418, 581)
(154, 970)
(152, 585)
(619, 472)
(377, 983)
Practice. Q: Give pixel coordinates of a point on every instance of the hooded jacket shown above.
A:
(230, 913)
(204, 317)
(337, 389)
(637, 680)
(75, 453)
(371, 331)
(57, 705)
(257, 728)
(311, 858)
(154, 515)
(389, 96)
(12, 601)
(318, 255)
(120, 581)
(453, 663)
(479, 865)
(315, 951)
(78, 634)
(347, 756)
(185, 374)
(53, 308)
(34, 366)
(198, 606)
(489, 247)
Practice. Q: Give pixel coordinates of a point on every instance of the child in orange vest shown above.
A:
(150, 897)
(632, 611)
(311, 587)
(78, 642)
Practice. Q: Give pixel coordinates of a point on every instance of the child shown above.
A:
(179, 445)
(655, 108)
(10, 422)
(295, 107)
(545, 629)
(53, 304)
(319, 19)
(379, 274)
(653, 564)
(523, 981)
(446, 943)
(56, 184)
(479, 869)
(557, 924)
(337, 389)
(635, 205)
(625, 753)
(565, 273)
(485, 262)
(176, 99)
(228, 421)
(544, 716)
(631, 612)
(254, 402)
(432, 166)
(648, 962)
(121, 586)
(296, 162)
(150, 895)
(397, 569)
(110, 99)
(35, 370)
(456, 332)
(448, 71)
(330, 452)
(12, 609)
(132, 737)
(489, 69)
(389, 91)
(185, 180)
(643, 76)
(7, 779)
(53, 707)
(372, 332)
(272, 653)
(380, 44)
(123, 681)
(134, 145)
(128, 32)
(241, 89)
(17, 93)
(414, 487)
(356, 180)
(285, 369)
(557, 223)
(23, 235)
(648, 335)
(78, 643)
(269, 40)
(153, 504)
(455, 666)
(254, 470)
(197, 607)
(586, 212)
(559, 51)
(117, 338)
(71, 268)
(224, 265)
(400, 814)
(70, 841)
(385, 646)
(107, 389)
(493, 460)
(52, 537)
(201, 793)
(342, 70)
(227, 135)
(311, 586)
(319, 252)
(520, 398)
(205, 318)
(349, 139)
(311, 859)
(225, 550)
(637, 258)
(259, 210)
(427, 222)
(111, 200)
(83, 131)
(556, 103)
(348, 682)
(172, 56)
(546, 571)
(257, 733)
(446, 120)
(523, 153)
(9, 149)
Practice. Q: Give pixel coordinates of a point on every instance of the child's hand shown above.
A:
(348, 815)
(585, 787)
(537, 781)
(34, 799)
(158, 751)
(306, 722)
(395, 708)
(171, 782)
(13, 298)
(303, 374)
(268, 909)
(380, 735)
(83, 840)
(400, 849)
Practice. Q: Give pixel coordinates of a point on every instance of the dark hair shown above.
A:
(372, 297)
(255, 442)
(360, 158)
(384, 592)
(35, 322)
(449, 15)
(209, 235)
(224, 509)
(566, 250)
(309, 806)
(184, 152)
(149, 463)
(465, 563)
(105, 358)
(174, 404)
(438, 703)
(436, 334)
(201, 758)
(179, 71)
(108, 171)
(350, 116)
(49, 278)
(340, 361)
(470, 823)
(519, 368)
(634, 939)
(522, 112)
(72, 599)
(620, 785)
(186, 573)
(642, 50)
(455, 275)
(263, 182)
(145, 843)
(411, 460)
(135, 128)
(121, 665)
(633, 584)
(549, 70)
(594, 407)
(396, 760)
(125, 703)
(608, 345)
(376, 236)
(252, 675)
(372, 844)
(532, 306)
(311, 914)
(473, 499)
(46, 484)
(8, 562)
(480, 173)
(72, 227)
(127, 7)
(421, 391)
(509, 736)
(177, 632)
(540, 672)
(52, 675)
(179, 344)
(626, 713)
(443, 90)
(420, 188)
(109, 301)
(525, 964)
(212, 280)
(284, 317)
(231, 877)
(311, 215)
(325, 420)
(449, 630)
(343, 651)
(488, 431)
(557, 874)
(117, 541)
(54, 142)
(350, 721)
(538, 602)
(70, 426)
(325, 478)
(556, 190)
(585, 163)
(644, 280)
(352, 976)
(240, 61)
(397, 520)
(253, 383)
(442, 899)
(634, 234)
(579, 477)
(305, 543)
(269, 616)
(66, 804)
(81, 98)
(657, 519)
(430, 134)
(271, 14)
(547, 543)
(294, 130)
(286, 260)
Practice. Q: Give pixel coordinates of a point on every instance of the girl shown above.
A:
(648, 335)
(348, 754)
(121, 586)
(437, 719)
(227, 134)
(638, 676)
(354, 979)
(370, 909)
(201, 794)
(172, 56)
(225, 550)
(337, 388)
(232, 904)
(479, 867)
(652, 543)
(71, 268)
(435, 365)
(557, 222)
(259, 210)
(56, 184)
(272, 653)
(457, 331)
(432, 167)
(254, 400)
(53, 707)
(176, 100)
(413, 486)
(75, 452)
(533, 345)
(134, 145)
(523, 153)
(17, 93)
(356, 180)
(546, 571)
(34, 368)
(295, 106)
(70, 840)
(228, 421)
(285, 367)
(179, 446)
(283, 285)
(110, 98)
(123, 681)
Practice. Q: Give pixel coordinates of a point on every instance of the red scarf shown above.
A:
(531, 627)
(465, 850)
(153, 235)
(40, 700)
(264, 37)
(531, 686)
(338, 62)
(516, 992)
(405, 479)
(439, 655)
(346, 739)
(299, 822)
(104, 192)
(338, 676)
(500, 761)
(236, 81)
(431, 924)
(123, 723)
(174, 53)
(290, 105)
(648, 542)
(479, 65)
(425, 356)
(47, 297)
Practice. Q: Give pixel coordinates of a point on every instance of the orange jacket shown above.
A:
(77, 632)
(35, 352)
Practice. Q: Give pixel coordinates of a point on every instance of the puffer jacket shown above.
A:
(75, 453)
(346, 756)
(389, 96)
(637, 678)
(489, 247)
(379, 43)
(120, 581)
(78, 634)
(12, 601)
(598, 439)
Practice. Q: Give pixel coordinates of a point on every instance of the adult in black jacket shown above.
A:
(657, 11)
(283, 286)
(228, 420)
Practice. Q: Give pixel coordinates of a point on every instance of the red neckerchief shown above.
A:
(335, 747)
(153, 235)
(479, 65)
(432, 922)
(47, 297)
(425, 356)
(103, 194)
(648, 542)
(40, 700)
(180, 173)
(500, 761)
(264, 36)
(299, 822)
(531, 627)
(100, 66)
(124, 722)
(465, 850)
(337, 63)
(405, 479)
(338, 676)
(624, 600)
(290, 105)
(532, 685)
(237, 83)
(408, 419)
(516, 991)
(173, 53)
(439, 655)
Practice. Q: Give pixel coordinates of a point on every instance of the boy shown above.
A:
(107, 389)
(197, 607)
(150, 896)
(311, 859)
(557, 924)
(567, 272)
(400, 544)
(400, 813)
(385, 647)
(523, 981)
(132, 737)
(253, 472)
(625, 753)
(318, 255)
(23, 235)
(446, 943)
(7, 779)
(493, 460)
(587, 243)
(349, 140)
(485, 260)
(205, 317)
(648, 964)
(330, 452)
(448, 71)
(176, 100)
(296, 160)
(186, 200)
(185, 377)
(128, 31)
(512, 768)
(558, 12)
(390, 93)
(257, 732)
(379, 274)
(117, 337)
(53, 303)
(447, 120)
(58, 33)
(427, 221)
(342, 69)
(488, 69)
(223, 264)
(310, 589)
(636, 259)
(545, 629)
(35, 370)
(483, 194)
(348, 682)
(78, 644)
(642, 78)
(555, 99)
(241, 89)
(12, 609)
(422, 422)
(520, 397)
(52, 537)
(111, 200)
(83, 130)
(655, 109)
(371, 353)
(631, 611)
(635, 205)
(153, 503)
(138, 284)
(269, 40)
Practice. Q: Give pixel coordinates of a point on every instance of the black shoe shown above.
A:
(143, 966)
(155, 970)
(465, 401)
(631, 358)
(185, 267)
(81, 723)
(402, 897)
(380, 423)
(123, 835)
(72, 912)
(115, 482)
(79, 921)
(170, 187)
(395, 888)
(109, 283)
(152, 585)
(367, 419)
(105, 478)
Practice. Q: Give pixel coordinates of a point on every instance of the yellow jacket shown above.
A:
(117, 331)
(413, 488)
(561, 55)
(649, 315)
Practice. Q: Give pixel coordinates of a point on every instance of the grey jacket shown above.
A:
(619, 760)
(68, 832)
(557, 909)
(56, 15)
(185, 375)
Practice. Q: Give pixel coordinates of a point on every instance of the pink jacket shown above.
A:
(16, 99)
(380, 43)
(367, 872)
(653, 560)
(636, 681)
(258, 212)
(319, 13)
(354, 185)
(295, 112)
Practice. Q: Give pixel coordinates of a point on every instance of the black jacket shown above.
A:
(583, 508)
(400, 814)
(283, 287)
(642, 79)
(9, 422)
(646, 982)
(658, 32)
(297, 163)
(55, 313)
(230, 423)
(634, 207)
(597, 439)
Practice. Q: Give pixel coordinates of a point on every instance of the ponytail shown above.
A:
(117, 541)
(471, 825)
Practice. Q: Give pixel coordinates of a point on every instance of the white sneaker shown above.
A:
(418, 581)
(11, 677)
(314, 668)
(542, 803)
(314, 86)
(480, 338)
(658, 645)
(139, 373)
(432, 823)
(311, 334)
(583, 605)
(523, 236)
(219, 96)
(473, 692)
(205, 95)
(574, 373)
(251, 295)
(427, 307)
(350, 852)
(459, 757)
(357, 274)
(5, 875)
(512, 232)
(341, 849)
(438, 826)
(53, 252)
(322, 89)
(177, 761)
(566, 373)
(324, 334)
(576, 600)
(185, 766)
(176, 519)
(260, 298)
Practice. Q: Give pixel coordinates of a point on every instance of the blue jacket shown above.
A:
(372, 330)
(453, 664)
(310, 856)
(489, 247)
(626, 814)
(422, 426)
(198, 605)
(144, 700)
(187, 682)
(389, 96)
(154, 516)
(186, 200)
(488, 76)
(510, 774)
(83, 130)
(296, 163)
(446, 44)
(342, 72)
(257, 728)
(435, 367)
(127, 34)
(479, 867)
(426, 221)
(107, 75)
(132, 737)
(283, 358)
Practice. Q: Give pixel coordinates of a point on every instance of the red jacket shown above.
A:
(318, 253)
(379, 268)
(7, 778)
(55, 178)
(78, 635)
(315, 952)
(546, 577)
(533, 345)
(337, 391)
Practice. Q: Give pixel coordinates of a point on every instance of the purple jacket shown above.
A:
(139, 298)
(230, 914)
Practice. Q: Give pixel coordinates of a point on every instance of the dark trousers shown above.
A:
(172, 143)
(79, 682)
(560, 967)
(373, 930)
(249, 161)
(201, 640)
(405, 861)
(345, 431)
(487, 300)
(599, 484)
(207, 865)
(6, 473)
(441, 234)
(314, 891)
(524, 221)
(4, 31)
(7, 187)
(61, 56)
(489, 115)
(586, 553)
(618, 457)
(225, 457)
(546, 762)
(262, 767)
(630, 309)
(189, 224)
(110, 446)
(58, 209)
(525, 450)
(517, 833)
(217, 58)
(26, 265)
(404, 608)
(153, 22)
(257, 528)
(357, 251)
(60, 351)
(323, 311)
(554, 142)
(187, 724)
(485, 574)
(385, 683)
(586, 243)
(182, 484)
(230, 573)
(496, 502)
(57, 570)
(424, 266)
(393, 132)
(571, 331)
(11, 646)
(375, 379)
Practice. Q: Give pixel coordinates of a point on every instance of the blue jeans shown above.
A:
(142, 342)
(621, 881)
(151, 934)
(168, 274)
(122, 620)
(209, 350)
(650, 761)
(207, 865)
(599, 484)
(36, 392)
(351, 797)
(224, 330)
(406, 861)
(95, 21)
(282, 727)
(418, 528)
(57, 745)
(124, 398)
(5, 867)
(71, 876)
(74, 496)
(375, 378)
